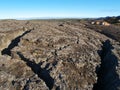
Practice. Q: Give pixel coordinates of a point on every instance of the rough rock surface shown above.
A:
(57, 55)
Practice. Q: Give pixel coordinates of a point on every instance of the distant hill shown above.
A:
(113, 19)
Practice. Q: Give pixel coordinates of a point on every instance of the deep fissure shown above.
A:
(108, 78)
(13, 44)
(42, 73)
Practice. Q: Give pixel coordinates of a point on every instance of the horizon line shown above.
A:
(32, 18)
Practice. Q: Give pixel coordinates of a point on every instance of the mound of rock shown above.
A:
(55, 56)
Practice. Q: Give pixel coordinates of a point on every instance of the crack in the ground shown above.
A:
(62, 48)
(26, 86)
(108, 79)
(42, 73)
(77, 40)
(13, 44)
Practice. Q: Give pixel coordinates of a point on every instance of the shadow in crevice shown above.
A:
(41, 72)
(108, 79)
(13, 43)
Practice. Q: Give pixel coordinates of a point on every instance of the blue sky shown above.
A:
(58, 8)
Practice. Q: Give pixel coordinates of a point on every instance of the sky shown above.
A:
(12, 9)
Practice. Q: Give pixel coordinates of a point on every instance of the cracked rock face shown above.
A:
(57, 55)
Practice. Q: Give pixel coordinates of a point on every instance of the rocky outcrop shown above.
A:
(55, 56)
(11, 37)
(104, 23)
